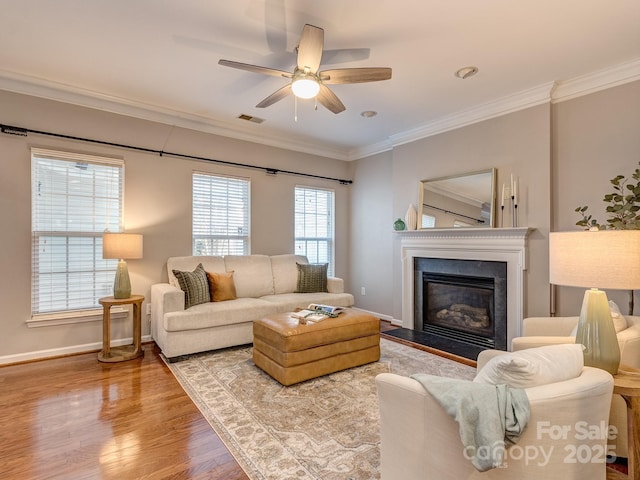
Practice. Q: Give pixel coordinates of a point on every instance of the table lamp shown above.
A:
(122, 246)
(608, 259)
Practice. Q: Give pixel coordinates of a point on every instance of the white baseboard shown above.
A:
(60, 352)
(381, 316)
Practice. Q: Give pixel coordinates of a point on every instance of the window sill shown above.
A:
(76, 316)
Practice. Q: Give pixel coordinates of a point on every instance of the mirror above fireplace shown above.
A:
(466, 200)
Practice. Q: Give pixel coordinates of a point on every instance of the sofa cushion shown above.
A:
(221, 286)
(252, 274)
(216, 314)
(210, 264)
(285, 272)
(288, 302)
(194, 285)
(619, 322)
(312, 278)
(534, 366)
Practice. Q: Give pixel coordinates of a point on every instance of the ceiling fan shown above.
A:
(306, 80)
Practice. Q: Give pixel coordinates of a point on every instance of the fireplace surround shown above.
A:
(502, 247)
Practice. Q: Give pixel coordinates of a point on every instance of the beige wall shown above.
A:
(157, 204)
(518, 143)
(596, 137)
(564, 155)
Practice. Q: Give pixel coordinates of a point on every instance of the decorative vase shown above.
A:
(411, 218)
(399, 225)
(597, 333)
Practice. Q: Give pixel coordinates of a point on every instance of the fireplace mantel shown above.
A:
(492, 244)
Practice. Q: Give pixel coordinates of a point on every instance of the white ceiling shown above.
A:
(158, 59)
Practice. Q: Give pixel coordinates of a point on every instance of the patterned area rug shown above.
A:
(326, 428)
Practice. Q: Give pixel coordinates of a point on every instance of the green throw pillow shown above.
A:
(194, 285)
(312, 278)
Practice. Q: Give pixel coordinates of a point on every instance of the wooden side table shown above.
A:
(125, 352)
(626, 383)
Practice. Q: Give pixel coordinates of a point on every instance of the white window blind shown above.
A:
(75, 198)
(220, 215)
(314, 225)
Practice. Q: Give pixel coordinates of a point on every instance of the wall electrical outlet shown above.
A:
(363, 291)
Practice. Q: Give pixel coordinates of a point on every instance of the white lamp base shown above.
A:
(122, 284)
(597, 333)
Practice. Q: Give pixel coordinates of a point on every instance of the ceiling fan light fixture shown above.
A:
(305, 87)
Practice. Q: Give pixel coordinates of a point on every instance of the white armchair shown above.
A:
(539, 331)
(420, 441)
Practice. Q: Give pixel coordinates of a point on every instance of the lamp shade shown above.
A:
(122, 245)
(606, 259)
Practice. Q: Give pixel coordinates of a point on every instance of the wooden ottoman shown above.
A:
(292, 352)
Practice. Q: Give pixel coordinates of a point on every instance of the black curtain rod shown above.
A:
(23, 132)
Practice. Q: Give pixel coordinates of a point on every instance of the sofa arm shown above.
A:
(165, 298)
(551, 326)
(485, 355)
(335, 285)
(522, 343)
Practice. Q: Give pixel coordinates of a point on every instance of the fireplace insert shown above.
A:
(461, 305)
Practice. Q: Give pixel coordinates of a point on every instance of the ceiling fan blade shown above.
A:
(275, 96)
(255, 68)
(330, 100)
(355, 75)
(344, 55)
(310, 48)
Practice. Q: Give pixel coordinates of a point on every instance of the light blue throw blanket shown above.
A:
(488, 415)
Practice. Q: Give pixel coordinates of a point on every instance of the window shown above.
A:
(428, 221)
(75, 198)
(314, 213)
(220, 215)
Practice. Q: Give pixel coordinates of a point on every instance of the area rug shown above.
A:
(326, 428)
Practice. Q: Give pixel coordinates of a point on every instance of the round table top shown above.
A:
(627, 381)
(121, 301)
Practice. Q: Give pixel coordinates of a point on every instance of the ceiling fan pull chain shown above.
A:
(295, 108)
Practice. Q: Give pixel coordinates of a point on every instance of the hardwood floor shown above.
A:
(77, 418)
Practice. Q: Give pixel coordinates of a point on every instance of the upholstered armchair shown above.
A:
(420, 441)
(539, 331)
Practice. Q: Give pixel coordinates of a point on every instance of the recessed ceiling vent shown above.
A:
(250, 118)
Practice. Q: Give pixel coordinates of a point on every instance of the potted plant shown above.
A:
(623, 205)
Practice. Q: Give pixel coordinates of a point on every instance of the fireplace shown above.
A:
(461, 305)
(506, 246)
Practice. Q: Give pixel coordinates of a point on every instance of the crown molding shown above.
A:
(502, 106)
(553, 92)
(596, 81)
(38, 87)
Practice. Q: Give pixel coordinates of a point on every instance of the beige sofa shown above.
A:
(539, 331)
(419, 440)
(264, 285)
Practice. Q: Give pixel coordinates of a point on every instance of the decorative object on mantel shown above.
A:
(608, 259)
(399, 225)
(510, 192)
(624, 209)
(411, 218)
